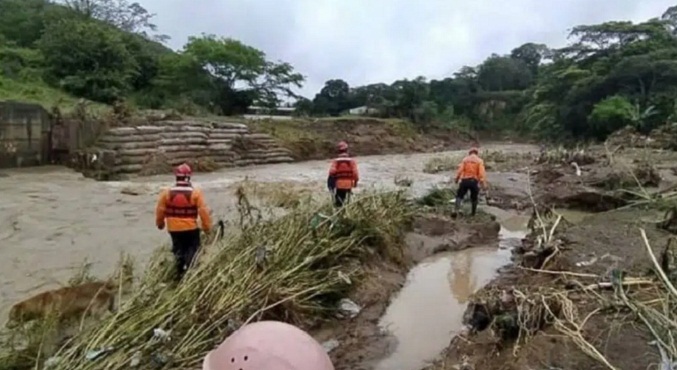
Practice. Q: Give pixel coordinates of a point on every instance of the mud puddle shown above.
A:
(428, 311)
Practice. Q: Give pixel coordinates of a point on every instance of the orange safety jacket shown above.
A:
(343, 172)
(180, 206)
(472, 167)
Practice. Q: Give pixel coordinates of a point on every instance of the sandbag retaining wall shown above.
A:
(158, 146)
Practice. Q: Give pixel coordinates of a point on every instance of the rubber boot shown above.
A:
(457, 207)
(474, 207)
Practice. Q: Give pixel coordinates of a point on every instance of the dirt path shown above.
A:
(53, 219)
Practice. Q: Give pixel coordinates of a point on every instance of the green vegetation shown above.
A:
(296, 268)
(610, 75)
(106, 51)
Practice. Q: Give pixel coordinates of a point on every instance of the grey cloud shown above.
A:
(366, 41)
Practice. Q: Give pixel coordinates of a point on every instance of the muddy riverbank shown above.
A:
(407, 317)
(53, 219)
(560, 305)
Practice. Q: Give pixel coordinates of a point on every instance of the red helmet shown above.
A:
(473, 150)
(183, 170)
(342, 146)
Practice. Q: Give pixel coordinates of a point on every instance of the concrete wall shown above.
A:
(24, 134)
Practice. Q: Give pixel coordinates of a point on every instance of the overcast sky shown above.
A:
(367, 41)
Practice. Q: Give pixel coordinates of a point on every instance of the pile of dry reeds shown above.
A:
(562, 155)
(295, 268)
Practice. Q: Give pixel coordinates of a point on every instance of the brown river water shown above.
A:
(52, 220)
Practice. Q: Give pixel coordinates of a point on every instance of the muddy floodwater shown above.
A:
(429, 308)
(52, 219)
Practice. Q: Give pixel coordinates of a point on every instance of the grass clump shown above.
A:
(441, 164)
(438, 197)
(285, 195)
(295, 268)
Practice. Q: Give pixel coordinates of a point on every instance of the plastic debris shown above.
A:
(348, 308)
(161, 335)
(330, 345)
(94, 354)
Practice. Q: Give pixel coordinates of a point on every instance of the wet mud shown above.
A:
(52, 219)
(556, 307)
(410, 322)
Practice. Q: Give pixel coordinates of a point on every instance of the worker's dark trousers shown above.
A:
(185, 245)
(466, 185)
(341, 197)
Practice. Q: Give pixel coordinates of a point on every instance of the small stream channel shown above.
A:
(428, 311)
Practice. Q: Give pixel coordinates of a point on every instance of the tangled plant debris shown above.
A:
(309, 269)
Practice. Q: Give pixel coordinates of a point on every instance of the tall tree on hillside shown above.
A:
(241, 70)
(531, 55)
(87, 59)
(125, 15)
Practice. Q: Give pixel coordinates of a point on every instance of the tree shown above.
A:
(239, 67)
(531, 55)
(609, 115)
(87, 59)
(128, 17)
(24, 21)
(499, 73)
(333, 99)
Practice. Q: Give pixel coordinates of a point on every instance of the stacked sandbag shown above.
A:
(183, 141)
(132, 145)
(220, 146)
(156, 147)
(262, 149)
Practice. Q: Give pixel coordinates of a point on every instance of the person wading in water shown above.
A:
(470, 176)
(343, 175)
(179, 207)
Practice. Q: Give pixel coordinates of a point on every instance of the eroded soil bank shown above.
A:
(409, 317)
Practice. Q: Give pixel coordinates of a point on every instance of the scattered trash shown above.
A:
(161, 335)
(348, 308)
(94, 354)
(589, 262)
(330, 345)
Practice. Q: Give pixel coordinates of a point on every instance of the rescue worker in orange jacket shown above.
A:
(343, 175)
(470, 176)
(178, 208)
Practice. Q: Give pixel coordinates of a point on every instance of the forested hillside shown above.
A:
(609, 75)
(109, 50)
